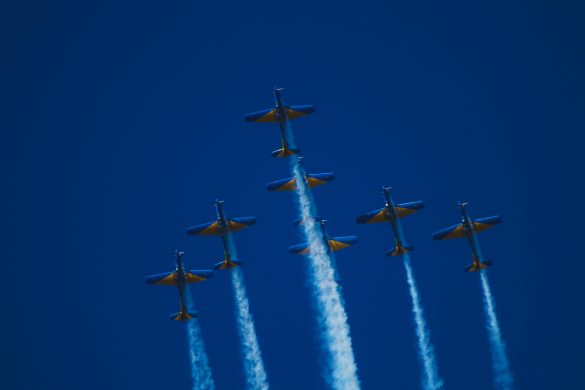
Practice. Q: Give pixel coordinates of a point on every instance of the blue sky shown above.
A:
(123, 121)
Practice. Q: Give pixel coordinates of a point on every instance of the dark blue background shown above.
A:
(122, 122)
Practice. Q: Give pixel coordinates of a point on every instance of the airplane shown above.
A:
(390, 213)
(180, 278)
(331, 244)
(468, 229)
(281, 114)
(311, 179)
(290, 184)
(222, 227)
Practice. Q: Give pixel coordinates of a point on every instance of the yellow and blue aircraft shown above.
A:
(290, 184)
(390, 213)
(221, 227)
(311, 179)
(281, 114)
(180, 277)
(332, 244)
(468, 229)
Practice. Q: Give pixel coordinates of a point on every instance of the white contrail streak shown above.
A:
(502, 375)
(255, 373)
(200, 370)
(431, 379)
(332, 318)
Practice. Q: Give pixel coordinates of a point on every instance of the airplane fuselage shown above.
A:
(325, 237)
(180, 279)
(469, 234)
(390, 212)
(280, 109)
(224, 229)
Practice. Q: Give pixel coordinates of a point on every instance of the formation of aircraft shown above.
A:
(221, 227)
(390, 213)
(180, 278)
(281, 114)
(468, 228)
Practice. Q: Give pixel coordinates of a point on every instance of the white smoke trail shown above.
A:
(256, 378)
(200, 370)
(342, 373)
(431, 379)
(502, 375)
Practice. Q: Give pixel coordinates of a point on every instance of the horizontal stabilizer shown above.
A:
(400, 250)
(477, 266)
(227, 264)
(285, 152)
(183, 315)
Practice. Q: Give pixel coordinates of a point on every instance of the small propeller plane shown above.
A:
(290, 184)
(221, 227)
(468, 228)
(311, 179)
(281, 114)
(390, 213)
(331, 244)
(180, 277)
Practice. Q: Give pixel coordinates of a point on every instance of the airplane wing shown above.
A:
(338, 243)
(373, 216)
(240, 223)
(194, 276)
(288, 184)
(483, 224)
(404, 209)
(317, 179)
(262, 116)
(294, 112)
(205, 229)
(455, 231)
(300, 249)
(168, 279)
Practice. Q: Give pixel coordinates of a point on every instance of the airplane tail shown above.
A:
(183, 315)
(227, 264)
(478, 266)
(400, 250)
(285, 152)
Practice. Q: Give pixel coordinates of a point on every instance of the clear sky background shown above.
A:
(122, 121)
